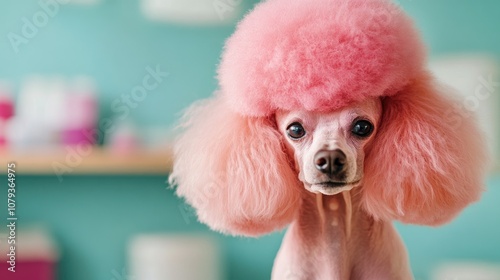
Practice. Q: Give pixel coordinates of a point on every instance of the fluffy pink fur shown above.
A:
(321, 55)
(233, 170)
(424, 167)
(318, 55)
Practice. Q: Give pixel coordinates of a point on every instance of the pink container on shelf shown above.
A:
(78, 136)
(6, 111)
(124, 139)
(29, 270)
(6, 107)
(6, 103)
(81, 113)
(35, 254)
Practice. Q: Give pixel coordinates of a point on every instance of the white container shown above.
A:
(174, 257)
(467, 271)
(193, 12)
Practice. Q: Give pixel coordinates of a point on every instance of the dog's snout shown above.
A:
(330, 162)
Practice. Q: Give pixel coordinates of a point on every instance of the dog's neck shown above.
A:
(325, 224)
(331, 236)
(333, 210)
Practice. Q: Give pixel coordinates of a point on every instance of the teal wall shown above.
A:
(92, 217)
(457, 26)
(114, 43)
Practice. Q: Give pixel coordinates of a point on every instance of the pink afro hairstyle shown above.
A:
(318, 55)
(424, 166)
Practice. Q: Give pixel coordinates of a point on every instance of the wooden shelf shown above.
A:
(97, 161)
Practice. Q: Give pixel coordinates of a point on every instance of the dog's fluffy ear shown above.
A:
(428, 160)
(233, 170)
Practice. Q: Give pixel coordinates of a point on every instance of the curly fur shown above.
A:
(423, 168)
(233, 170)
(319, 56)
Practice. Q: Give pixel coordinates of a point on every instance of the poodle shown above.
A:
(327, 121)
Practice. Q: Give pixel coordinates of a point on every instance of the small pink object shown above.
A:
(78, 136)
(6, 109)
(124, 140)
(6, 106)
(6, 112)
(3, 140)
(29, 270)
(82, 112)
(35, 257)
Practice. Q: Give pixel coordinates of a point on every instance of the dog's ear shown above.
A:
(428, 159)
(233, 170)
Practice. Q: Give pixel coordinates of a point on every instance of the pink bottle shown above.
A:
(81, 113)
(6, 111)
(35, 256)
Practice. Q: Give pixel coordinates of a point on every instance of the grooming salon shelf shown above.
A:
(98, 161)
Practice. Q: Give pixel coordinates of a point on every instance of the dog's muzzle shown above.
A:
(332, 163)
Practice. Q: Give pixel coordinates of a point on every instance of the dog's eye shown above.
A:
(362, 128)
(296, 131)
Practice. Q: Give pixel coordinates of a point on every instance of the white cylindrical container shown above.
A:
(193, 12)
(174, 257)
(467, 271)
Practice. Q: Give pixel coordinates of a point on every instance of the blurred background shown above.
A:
(89, 94)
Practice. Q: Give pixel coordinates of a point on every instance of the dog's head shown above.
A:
(329, 148)
(332, 96)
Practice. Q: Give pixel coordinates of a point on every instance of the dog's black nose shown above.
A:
(330, 162)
